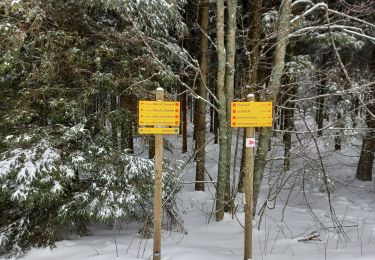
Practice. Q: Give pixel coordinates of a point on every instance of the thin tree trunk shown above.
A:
(216, 127)
(184, 122)
(223, 144)
(366, 159)
(240, 187)
(319, 116)
(321, 90)
(130, 139)
(256, 13)
(338, 133)
(212, 114)
(201, 105)
(114, 121)
(288, 124)
(229, 89)
(275, 81)
(191, 106)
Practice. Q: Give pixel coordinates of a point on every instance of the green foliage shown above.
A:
(61, 62)
(71, 181)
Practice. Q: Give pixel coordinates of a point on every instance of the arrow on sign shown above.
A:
(250, 142)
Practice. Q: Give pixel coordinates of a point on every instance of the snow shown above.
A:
(57, 188)
(279, 230)
(15, 2)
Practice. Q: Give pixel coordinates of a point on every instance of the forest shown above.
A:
(74, 163)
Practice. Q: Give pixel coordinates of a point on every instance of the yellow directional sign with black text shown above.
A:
(251, 114)
(159, 113)
(158, 131)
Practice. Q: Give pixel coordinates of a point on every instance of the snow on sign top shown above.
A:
(251, 114)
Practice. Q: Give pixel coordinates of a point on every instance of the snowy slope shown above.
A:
(276, 239)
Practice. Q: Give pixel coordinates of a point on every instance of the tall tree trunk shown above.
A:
(223, 144)
(256, 14)
(216, 127)
(240, 187)
(192, 108)
(338, 133)
(321, 90)
(212, 114)
(201, 105)
(229, 89)
(184, 122)
(319, 114)
(275, 81)
(114, 120)
(288, 123)
(130, 138)
(128, 104)
(195, 122)
(366, 159)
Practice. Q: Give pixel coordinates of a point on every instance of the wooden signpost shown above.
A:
(159, 114)
(249, 115)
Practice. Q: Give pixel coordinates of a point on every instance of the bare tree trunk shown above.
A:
(216, 127)
(288, 124)
(275, 81)
(184, 122)
(321, 89)
(212, 114)
(229, 90)
(240, 187)
(256, 14)
(114, 121)
(130, 139)
(195, 122)
(319, 116)
(201, 105)
(223, 144)
(366, 160)
(128, 104)
(191, 106)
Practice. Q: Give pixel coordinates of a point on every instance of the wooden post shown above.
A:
(249, 169)
(158, 186)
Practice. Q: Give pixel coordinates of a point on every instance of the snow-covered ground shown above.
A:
(279, 229)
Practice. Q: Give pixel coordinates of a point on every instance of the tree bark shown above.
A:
(321, 90)
(201, 105)
(275, 81)
(288, 124)
(184, 122)
(256, 14)
(114, 120)
(366, 159)
(229, 89)
(220, 49)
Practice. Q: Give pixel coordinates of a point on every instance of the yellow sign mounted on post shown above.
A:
(160, 113)
(158, 131)
(251, 114)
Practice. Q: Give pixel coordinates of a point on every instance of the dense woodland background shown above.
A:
(71, 73)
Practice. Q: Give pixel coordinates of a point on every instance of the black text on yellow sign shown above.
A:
(159, 113)
(251, 114)
(158, 131)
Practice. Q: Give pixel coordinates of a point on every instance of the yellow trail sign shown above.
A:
(158, 131)
(163, 113)
(251, 114)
